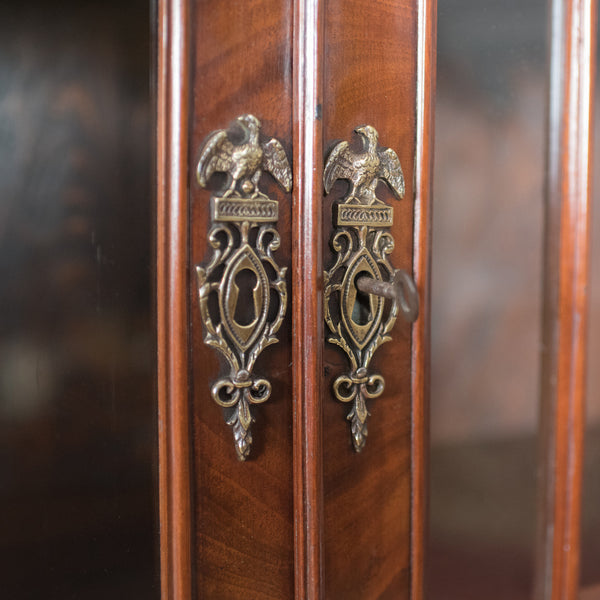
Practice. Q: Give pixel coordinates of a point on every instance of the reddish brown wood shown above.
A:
(243, 512)
(307, 298)
(426, 70)
(172, 308)
(573, 43)
(370, 77)
(257, 528)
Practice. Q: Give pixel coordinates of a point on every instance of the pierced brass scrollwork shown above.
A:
(362, 278)
(243, 237)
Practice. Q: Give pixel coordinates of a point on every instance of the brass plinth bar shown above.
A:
(243, 237)
(362, 279)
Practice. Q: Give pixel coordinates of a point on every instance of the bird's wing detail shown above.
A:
(339, 165)
(391, 171)
(215, 156)
(275, 161)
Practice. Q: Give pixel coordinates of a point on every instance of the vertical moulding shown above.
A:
(307, 313)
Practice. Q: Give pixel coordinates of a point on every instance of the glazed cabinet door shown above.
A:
(293, 192)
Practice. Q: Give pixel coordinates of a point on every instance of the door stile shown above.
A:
(426, 73)
(240, 393)
(307, 298)
(566, 249)
(171, 304)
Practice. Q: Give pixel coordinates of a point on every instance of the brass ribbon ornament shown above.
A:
(240, 330)
(362, 278)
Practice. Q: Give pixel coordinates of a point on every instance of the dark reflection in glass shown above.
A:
(590, 529)
(486, 302)
(77, 405)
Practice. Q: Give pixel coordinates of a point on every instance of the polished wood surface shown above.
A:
(173, 83)
(573, 44)
(304, 516)
(370, 74)
(425, 106)
(242, 512)
(307, 298)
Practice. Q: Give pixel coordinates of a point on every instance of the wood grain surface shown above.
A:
(307, 298)
(420, 372)
(370, 69)
(242, 512)
(173, 81)
(305, 516)
(566, 248)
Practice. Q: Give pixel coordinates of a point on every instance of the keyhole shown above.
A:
(245, 309)
(361, 311)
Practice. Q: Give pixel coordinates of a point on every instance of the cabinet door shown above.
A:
(227, 525)
(303, 515)
(376, 72)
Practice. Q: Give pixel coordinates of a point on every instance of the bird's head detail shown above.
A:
(250, 124)
(370, 135)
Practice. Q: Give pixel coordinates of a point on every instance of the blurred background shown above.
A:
(77, 398)
(486, 304)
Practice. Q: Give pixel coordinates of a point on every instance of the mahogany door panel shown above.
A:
(226, 525)
(242, 511)
(370, 62)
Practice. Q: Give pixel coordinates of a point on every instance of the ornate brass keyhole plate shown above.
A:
(243, 237)
(362, 244)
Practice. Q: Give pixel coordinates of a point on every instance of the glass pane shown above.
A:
(77, 405)
(590, 530)
(486, 282)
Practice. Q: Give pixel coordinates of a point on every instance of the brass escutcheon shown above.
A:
(362, 279)
(243, 237)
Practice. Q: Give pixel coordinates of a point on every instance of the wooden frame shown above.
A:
(566, 249)
(307, 299)
(176, 426)
(172, 308)
(426, 69)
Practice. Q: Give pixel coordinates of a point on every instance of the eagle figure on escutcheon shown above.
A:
(364, 169)
(243, 160)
